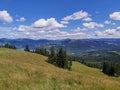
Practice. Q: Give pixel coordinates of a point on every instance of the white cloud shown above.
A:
(87, 19)
(48, 24)
(21, 19)
(42, 24)
(107, 22)
(115, 16)
(5, 17)
(24, 28)
(109, 33)
(30, 32)
(76, 16)
(92, 25)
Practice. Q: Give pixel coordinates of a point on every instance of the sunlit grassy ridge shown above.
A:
(21, 70)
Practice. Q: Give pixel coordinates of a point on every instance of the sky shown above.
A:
(59, 19)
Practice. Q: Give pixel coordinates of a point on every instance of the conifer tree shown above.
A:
(108, 68)
(60, 59)
(27, 48)
(52, 56)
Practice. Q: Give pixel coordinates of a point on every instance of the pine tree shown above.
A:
(108, 68)
(27, 48)
(52, 56)
(62, 60)
(104, 67)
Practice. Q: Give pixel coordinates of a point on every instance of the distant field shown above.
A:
(21, 70)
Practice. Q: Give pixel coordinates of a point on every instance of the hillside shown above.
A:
(21, 70)
(101, 56)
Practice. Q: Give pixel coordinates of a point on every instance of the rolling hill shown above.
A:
(101, 56)
(21, 70)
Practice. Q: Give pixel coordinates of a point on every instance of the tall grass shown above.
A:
(21, 70)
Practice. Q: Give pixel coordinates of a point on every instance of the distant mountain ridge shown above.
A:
(73, 46)
(20, 43)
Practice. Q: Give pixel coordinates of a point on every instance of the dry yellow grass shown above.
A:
(21, 70)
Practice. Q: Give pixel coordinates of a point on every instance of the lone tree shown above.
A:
(27, 48)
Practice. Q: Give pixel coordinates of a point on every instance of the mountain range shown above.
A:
(72, 46)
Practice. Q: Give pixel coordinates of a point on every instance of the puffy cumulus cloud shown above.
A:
(76, 16)
(87, 19)
(42, 24)
(109, 33)
(92, 25)
(5, 17)
(115, 16)
(21, 19)
(24, 28)
(107, 22)
(48, 24)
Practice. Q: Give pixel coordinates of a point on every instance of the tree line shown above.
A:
(8, 46)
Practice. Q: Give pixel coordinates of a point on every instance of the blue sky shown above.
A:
(59, 19)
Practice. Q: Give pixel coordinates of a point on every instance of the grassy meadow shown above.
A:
(21, 70)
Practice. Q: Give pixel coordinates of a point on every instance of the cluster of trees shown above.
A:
(27, 48)
(110, 68)
(60, 58)
(9, 46)
(42, 51)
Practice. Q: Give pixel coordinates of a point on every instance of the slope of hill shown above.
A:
(21, 70)
(101, 56)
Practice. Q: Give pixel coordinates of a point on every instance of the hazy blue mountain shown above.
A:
(76, 46)
(20, 43)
